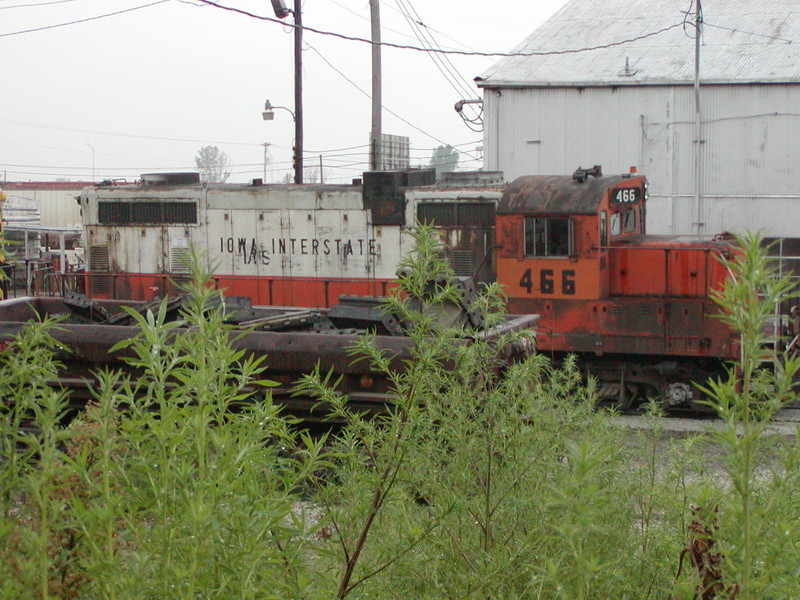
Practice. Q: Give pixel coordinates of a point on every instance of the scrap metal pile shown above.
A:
(351, 316)
(294, 340)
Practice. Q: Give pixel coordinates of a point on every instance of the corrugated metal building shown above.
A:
(611, 82)
(44, 203)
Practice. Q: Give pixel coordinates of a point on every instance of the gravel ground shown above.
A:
(683, 426)
(785, 423)
(711, 456)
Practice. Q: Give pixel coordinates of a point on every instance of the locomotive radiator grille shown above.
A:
(98, 258)
(144, 212)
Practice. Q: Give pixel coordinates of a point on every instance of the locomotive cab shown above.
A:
(575, 251)
(555, 233)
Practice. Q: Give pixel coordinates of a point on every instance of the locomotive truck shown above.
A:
(572, 249)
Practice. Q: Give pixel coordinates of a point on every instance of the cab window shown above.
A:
(548, 236)
(629, 221)
(623, 222)
(603, 230)
(616, 224)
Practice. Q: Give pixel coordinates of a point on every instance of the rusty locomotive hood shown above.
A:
(555, 194)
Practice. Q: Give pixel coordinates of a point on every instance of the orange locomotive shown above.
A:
(635, 306)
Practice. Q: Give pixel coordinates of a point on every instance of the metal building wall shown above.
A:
(57, 206)
(749, 174)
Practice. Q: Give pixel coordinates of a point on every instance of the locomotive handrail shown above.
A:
(641, 247)
(483, 260)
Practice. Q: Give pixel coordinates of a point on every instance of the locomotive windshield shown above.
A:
(623, 222)
(548, 236)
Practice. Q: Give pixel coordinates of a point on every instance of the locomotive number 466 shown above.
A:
(548, 279)
(626, 196)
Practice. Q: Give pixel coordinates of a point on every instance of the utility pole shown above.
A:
(375, 142)
(266, 146)
(698, 226)
(92, 149)
(298, 92)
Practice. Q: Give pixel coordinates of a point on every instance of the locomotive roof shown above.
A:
(555, 194)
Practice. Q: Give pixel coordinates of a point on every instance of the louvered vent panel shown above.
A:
(99, 284)
(476, 214)
(462, 262)
(147, 213)
(180, 212)
(113, 212)
(98, 259)
(179, 260)
(454, 214)
(440, 214)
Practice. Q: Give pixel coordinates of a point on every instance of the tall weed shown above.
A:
(180, 480)
(482, 479)
(753, 522)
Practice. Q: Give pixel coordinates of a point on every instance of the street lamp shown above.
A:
(266, 155)
(268, 114)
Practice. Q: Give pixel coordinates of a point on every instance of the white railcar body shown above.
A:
(278, 244)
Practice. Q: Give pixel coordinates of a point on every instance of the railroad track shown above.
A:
(303, 408)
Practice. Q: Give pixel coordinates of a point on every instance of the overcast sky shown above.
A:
(144, 90)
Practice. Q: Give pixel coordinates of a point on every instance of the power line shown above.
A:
(365, 18)
(734, 30)
(335, 149)
(460, 43)
(688, 23)
(364, 40)
(368, 95)
(77, 151)
(132, 135)
(442, 63)
(37, 4)
(65, 168)
(341, 157)
(119, 12)
(440, 51)
(453, 145)
(336, 160)
(405, 35)
(171, 168)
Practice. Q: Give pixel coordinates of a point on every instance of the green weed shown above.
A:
(483, 479)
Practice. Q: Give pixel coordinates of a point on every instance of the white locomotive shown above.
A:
(279, 244)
